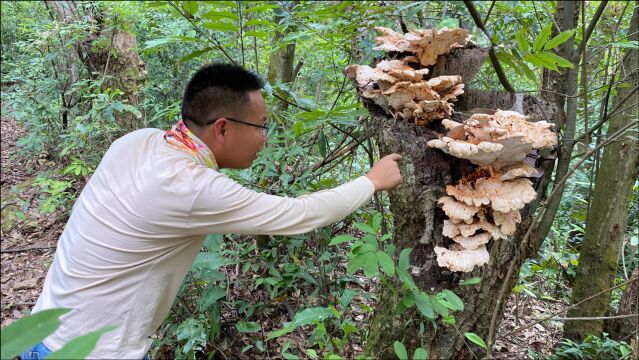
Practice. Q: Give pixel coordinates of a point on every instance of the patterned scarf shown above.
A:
(182, 138)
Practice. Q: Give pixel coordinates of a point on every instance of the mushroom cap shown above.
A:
(507, 222)
(463, 260)
(472, 242)
(427, 44)
(458, 210)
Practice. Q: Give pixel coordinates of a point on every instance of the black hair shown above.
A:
(218, 90)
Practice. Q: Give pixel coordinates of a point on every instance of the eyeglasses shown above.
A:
(265, 129)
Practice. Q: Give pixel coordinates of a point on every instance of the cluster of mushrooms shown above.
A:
(485, 203)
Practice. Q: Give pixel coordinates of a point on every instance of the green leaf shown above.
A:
(220, 26)
(190, 7)
(195, 54)
(28, 331)
(471, 281)
(370, 266)
(261, 8)
(404, 258)
(215, 15)
(453, 299)
(289, 356)
(522, 43)
(438, 305)
(355, 263)
(247, 327)
(311, 315)
(543, 36)
(322, 143)
(386, 262)
(169, 39)
(81, 346)
(311, 353)
(283, 331)
(400, 350)
(259, 35)
(560, 61)
(365, 228)
(341, 239)
(409, 299)
(211, 296)
(476, 339)
(561, 38)
(420, 354)
(257, 22)
(539, 60)
(405, 277)
(424, 305)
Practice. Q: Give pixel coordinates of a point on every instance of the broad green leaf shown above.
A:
(627, 44)
(476, 339)
(371, 240)
(424, 305)
(453, 299)
(522, 43)
(28, 331)
(471, 281)
(283, 331)
(560, 61)
(365, 228)
(377, 221)
(542, 61)
(220, 26)
(355, 263)
(247, 327)
(561, 38)
(386, 262)
(211, 296)
(311, 315)
(169, 39)
(190, 7)
(261, 8)
(420, 354)
(341, 239)
(370, 266)
(409, 299)
(257, 34)
(322, 143)
(543, 36)
(365, 248)
(289, 356)
(405, 277)
(81, 346)
(400, 350)
(311, 353)
(404, 258)
(257, 22)
(195, 54)
(215, 15)
(438, 305)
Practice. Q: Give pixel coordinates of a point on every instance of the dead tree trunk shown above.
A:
(418, 224)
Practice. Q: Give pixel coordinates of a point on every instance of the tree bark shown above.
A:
(282, 59)
(109, 55)
(606, 224)
(418, 224)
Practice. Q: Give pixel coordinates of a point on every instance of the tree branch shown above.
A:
(591, 27)
(499, 70)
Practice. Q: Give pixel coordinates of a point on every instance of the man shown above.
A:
(142, 218)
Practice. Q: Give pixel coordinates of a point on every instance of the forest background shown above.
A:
(78, 75)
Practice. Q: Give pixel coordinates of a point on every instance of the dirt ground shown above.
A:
(29, 238)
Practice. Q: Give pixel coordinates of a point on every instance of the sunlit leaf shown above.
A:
(341, 239)
(561, 38)
(543, 36)
(386, 263)
(81, 346)
(29, 331)
(400, 350)
(475, 339)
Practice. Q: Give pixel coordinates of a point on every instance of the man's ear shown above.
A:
(219, 129)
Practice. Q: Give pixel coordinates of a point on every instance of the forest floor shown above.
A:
(29, 239)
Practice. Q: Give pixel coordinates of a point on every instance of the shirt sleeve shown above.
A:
(224, 206)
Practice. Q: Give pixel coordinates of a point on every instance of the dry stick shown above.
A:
(27, 249)
(586, 318)
(491, 52)
(569, 307)
(533, 225)
(464, 339)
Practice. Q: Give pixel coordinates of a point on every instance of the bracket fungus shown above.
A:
(400, 86)
(485, 204)
(496, 190)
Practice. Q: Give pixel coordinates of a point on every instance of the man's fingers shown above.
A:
(394, 157)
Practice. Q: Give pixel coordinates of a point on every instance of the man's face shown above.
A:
(245, 141)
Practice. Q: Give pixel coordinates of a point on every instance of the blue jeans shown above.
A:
(38, 352)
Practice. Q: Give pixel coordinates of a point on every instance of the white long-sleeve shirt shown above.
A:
(137, 227)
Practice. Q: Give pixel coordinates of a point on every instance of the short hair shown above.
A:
(218, 90)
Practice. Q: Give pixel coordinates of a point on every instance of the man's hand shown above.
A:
(385, 173)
